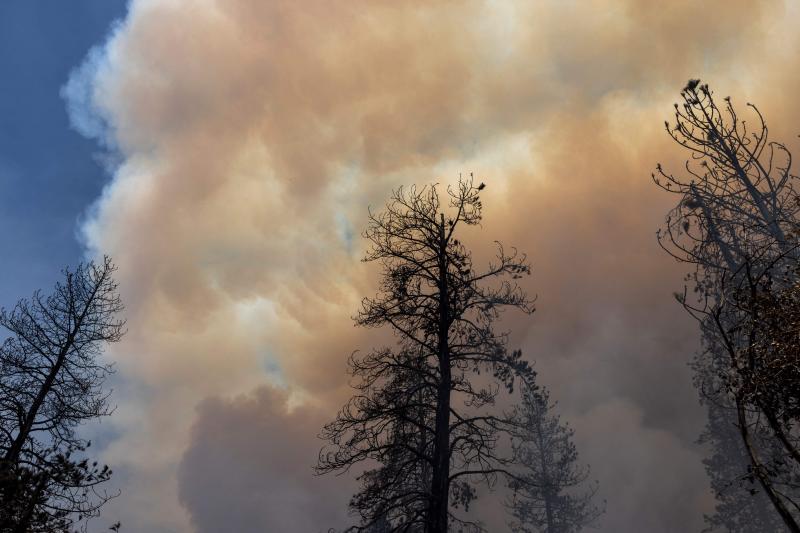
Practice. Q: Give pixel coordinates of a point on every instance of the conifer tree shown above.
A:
(551, 493)
(425, 410)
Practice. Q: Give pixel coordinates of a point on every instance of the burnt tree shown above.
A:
(736, 224)
(424, 410)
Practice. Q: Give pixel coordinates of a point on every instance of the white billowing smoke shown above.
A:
(247, 140)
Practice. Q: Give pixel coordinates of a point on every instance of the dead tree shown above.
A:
(52, 379)
(736, 223)
(424, 409)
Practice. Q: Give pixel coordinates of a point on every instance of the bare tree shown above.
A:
(551, 494)
(736, 223)
(424, 411)
(51, 381)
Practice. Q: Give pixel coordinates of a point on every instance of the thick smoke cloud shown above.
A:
(251, 136)
(278, 492)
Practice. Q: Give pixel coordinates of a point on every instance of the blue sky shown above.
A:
(48, 172)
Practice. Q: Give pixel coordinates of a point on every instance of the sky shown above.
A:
(224, 153)
(48, 172)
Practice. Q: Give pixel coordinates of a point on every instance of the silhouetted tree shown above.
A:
(51, 381)
(769, 367)
(381, 526)
(423, 411)
(551, 494)
(395, 491)
(741, 507)
(737, 223)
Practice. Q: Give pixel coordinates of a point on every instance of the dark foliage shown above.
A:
(423, 411)
(737, 223)
(51, 381)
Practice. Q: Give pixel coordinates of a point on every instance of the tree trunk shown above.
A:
(15, 449)
(440, 484)
(754, 193)
(12, 455)
(758, 470)
(548, 485)
(714, 232)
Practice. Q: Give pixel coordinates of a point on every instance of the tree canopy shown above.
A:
(424, 409)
